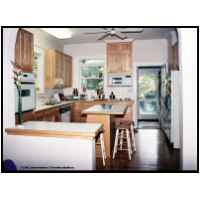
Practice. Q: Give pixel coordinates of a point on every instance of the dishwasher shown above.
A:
(65, 113)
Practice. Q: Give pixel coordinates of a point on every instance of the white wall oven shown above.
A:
(28, 93)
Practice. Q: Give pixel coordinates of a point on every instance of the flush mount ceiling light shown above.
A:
(60, 33)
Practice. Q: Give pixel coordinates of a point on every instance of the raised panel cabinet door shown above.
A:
(114, 64)
(24, 50)
(59, 64)
(119, 57)
(18, 49)
(67, 71)
(175, 57)
(50, 60)
(126, 63)
(28, 51)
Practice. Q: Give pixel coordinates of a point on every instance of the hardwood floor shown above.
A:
(153, 154)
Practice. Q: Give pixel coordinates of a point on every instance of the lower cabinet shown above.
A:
(51, 114)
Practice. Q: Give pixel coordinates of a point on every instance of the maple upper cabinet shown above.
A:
(57, 66)
(119, 57)
(50, 68)
(67, 70)
(24, 50)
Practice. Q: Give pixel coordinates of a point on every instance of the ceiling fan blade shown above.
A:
(93, 33)
(104, 36)
(119, 37)
(131, 31)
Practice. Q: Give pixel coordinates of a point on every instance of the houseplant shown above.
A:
(17, 80)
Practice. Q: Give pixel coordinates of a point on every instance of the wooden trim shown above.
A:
(57, 134)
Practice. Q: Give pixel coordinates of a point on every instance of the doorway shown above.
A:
(149, 92)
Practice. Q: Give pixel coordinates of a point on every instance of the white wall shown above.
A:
(188, 58)
(150, 51)
(9, 38)
(43, 40)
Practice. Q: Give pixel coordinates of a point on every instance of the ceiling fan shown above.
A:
(114, 32)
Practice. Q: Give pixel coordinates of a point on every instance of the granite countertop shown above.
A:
(57, 129)
(107, 109)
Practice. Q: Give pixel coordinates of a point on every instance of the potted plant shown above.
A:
(17, 80)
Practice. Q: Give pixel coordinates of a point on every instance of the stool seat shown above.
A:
(124, 124)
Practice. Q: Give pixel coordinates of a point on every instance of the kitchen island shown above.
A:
(53, 145)
(105, 114)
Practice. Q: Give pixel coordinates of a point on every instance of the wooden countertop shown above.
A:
(108, 109)
(57, 129)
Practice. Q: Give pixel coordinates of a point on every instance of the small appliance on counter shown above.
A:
(57, 97)
(28, 93)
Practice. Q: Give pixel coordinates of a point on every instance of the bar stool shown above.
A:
(124, 130)
(100, 141)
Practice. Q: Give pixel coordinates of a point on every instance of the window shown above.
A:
(92, 74)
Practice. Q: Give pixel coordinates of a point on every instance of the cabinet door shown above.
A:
(67, 71)
(59, 64)
(24, 50)
(50, 73)
(119, 58)
(175, 57)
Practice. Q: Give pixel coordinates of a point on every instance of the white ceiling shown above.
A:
(79, 36)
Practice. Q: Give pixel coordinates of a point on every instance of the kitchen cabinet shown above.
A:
(51, 114)
(119, 57)
(24, 50)
(27, 116)
(67, 71)
(57, 66)
(50, 68)
(175, 62)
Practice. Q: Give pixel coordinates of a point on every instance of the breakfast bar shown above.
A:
(53, 146)
(105, 114)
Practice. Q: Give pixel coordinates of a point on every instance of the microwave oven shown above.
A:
(120, 80)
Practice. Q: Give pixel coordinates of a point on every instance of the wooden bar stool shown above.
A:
(100, 141)
(124, 131)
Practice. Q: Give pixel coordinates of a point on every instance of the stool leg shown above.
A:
(128, 143)
(116, 143)
(121, 139)
(103, 149)
(133, 138)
